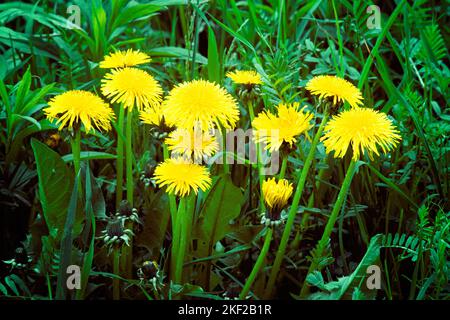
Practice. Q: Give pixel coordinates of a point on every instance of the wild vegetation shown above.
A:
(117, 182)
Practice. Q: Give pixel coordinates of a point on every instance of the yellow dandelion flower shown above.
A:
(123, 59)
(245, 77)
(204, 102)
(338, 88)
(154, 115)
(181, 176)
(273, 130)
(276, 194)
(192, 142)
(151, 115)
(132, 87)
(364, 129)
(77, 105)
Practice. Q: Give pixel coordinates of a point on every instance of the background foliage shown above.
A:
(397, 211)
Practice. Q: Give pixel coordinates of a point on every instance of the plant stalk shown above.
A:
(251, 113)
(76, 152)
(283, 168)
(184, 220)
(172, 200)
(129, 159)
(119, 161)
(330, 224)
(293, 211)
(258, 264)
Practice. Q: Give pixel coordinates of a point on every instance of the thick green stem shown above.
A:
(119, 161)
(330, 224)
(116, 262)
(226, 168)
(293, 211)
(176, 229)
(262, 207)
(76, 152)
(181, 248)
(250, 166)
(251, 113)
(305, 218)
(127, 260)
(175, 224)
(172, 200)
(129, 159)
(259, 263)
(185, 217)
(283, 168)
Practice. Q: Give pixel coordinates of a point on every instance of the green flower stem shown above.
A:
(283, 168)
(330, 224)
(175, 224)
(116, 262)
(127, 260)
(119, 161)
(185, 239)
(182, 241)
(172, 200)
(129, 159)
(185, 217)
(251, 112)
(293, 211)
(259, 263)
(226, 168)
(262, 207)
(250, 166)
(176, 229)
(305, 218)
(76, 152)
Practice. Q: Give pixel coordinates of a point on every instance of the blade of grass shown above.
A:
(369, 61)
(392, 185)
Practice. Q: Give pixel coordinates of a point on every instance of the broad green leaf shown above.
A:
(222, 205)
(55, 184)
